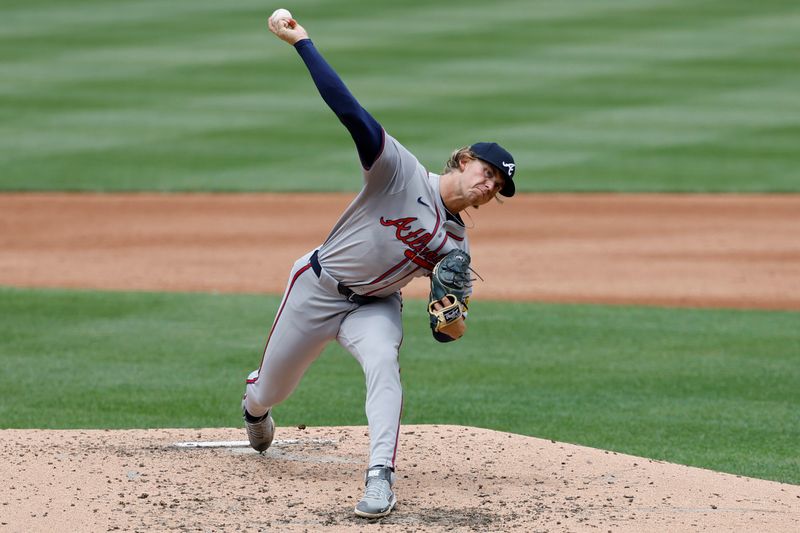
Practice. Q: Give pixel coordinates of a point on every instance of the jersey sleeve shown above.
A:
(366, 132)
(393, 168)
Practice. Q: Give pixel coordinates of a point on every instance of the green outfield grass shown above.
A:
(614, 95)
(711, 388)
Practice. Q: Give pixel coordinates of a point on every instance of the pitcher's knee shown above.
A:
(381, 361)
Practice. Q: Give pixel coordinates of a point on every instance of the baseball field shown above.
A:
(633, 354)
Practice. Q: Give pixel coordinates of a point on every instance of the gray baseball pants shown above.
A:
(313, 313)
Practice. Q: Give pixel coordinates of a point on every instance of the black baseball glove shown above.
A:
(450, 286)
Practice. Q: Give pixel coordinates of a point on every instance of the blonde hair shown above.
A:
(459, 155)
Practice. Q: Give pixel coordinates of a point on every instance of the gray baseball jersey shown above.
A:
(395, 230)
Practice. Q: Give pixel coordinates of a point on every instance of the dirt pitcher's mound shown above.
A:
(450, 477)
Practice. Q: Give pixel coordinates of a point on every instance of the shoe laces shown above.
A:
(378, 489)
(260, 428)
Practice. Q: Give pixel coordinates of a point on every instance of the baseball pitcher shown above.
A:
(404, 223)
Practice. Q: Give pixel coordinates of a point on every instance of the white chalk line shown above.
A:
(246, 444)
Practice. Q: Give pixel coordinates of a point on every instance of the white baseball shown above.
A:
(281, 14)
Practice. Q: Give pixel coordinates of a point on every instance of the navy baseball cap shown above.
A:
(499, 157)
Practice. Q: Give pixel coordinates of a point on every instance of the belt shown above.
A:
(344, 290)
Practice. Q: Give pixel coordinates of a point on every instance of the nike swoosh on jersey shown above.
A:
(423, 203)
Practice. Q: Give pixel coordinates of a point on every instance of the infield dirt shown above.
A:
(674, 250)
(696, 251)
(451, 478)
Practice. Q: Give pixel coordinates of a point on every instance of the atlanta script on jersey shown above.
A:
(396, 229)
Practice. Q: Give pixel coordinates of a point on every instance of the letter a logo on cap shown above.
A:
(510, 167)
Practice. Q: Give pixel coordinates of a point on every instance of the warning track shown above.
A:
(738, 251)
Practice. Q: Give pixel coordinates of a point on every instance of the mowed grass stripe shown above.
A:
(713, 388)
(516, 62)
(41, 18)
(589, 96)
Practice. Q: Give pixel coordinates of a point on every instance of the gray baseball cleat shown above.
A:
(378, 497)
(260, 431)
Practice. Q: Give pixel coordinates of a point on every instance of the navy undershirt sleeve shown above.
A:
(367, 133)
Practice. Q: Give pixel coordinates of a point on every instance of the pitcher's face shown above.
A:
(479, 181)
